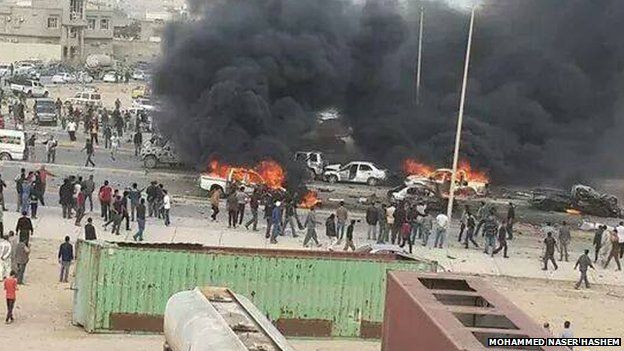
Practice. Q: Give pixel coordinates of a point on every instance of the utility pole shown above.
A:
(460, 118)
(419, 63)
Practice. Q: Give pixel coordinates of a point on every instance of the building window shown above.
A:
(52, 22)
(91, 23)
(104, 23)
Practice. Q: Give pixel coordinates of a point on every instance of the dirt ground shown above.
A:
(44, 312)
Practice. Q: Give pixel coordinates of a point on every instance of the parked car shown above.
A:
(86, 98)
(139, 75)
(28, 87)
(157, 152)
(313, 160)
(45, 112)
(356, 172)
(144, 103)
(12, 145)
(141, 91)
(110, 77)
(85, 78)
(62, 78)
(24, 68)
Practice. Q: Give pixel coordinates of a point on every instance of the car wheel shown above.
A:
(46, 94)
(372, 181)
(5, 157)
(150, 161)
(332, 179)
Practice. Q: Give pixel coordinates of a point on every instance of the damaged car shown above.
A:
(356, 172)
(581, 198)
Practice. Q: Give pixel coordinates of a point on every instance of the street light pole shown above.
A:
(419, 64)
(460, 119)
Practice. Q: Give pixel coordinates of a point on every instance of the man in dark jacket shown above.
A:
(254, 203)
(66, 193)
(90, 230)
(138, 141)
(502, 240)
(598, 240)
(583, 263)
(151, 192)
(24, 228)
(65, 257)
(372, 217)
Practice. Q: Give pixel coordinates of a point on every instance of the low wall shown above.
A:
(305, 293)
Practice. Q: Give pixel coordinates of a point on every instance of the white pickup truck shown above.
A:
(244, 177)
(28, 87)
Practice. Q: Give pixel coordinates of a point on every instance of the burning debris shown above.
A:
(224, 176)
(582, 199)
(469, 181)
(309, 199)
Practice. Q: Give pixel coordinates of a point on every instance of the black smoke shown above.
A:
(245, 79)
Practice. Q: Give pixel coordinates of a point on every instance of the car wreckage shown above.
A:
(581, 198)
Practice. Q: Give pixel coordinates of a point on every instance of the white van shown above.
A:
(87, 98)
(12, 145)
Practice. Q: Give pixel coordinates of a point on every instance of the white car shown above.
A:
(419, 189)
(110, 77)
(62, 78)
(139, 75)
(24, 68)
(86, 98)
(356, 172)
(85, 78)
(144, 104)
(12, 145)
(29, 87)
(241, 176)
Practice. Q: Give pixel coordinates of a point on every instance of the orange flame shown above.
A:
(268, 172)
(573, 211)
(413, 167)
(472, 174)
(309, 199)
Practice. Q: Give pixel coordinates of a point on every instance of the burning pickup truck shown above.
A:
(469, 182)
(224, 177)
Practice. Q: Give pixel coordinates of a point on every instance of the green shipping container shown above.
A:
(125, 286)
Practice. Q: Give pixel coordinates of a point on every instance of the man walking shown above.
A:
(166, 207)
(138, 141)
(615, 251)
(597, 242)
(276, 220)
(268, 215)
(342, 215)
(490, 230)
(88, 187)
(89, 151)
(5, 256)
(620, 233)
(241, 200)
(65, 257)
(51, 145)
(289, 218)
(10, 289)
(470, 228)
(232, 207)
(372, 217)
(24, 228)
(140, 218)
(254, 204)
(105, 196)
(349, 242)
(71, 130)
(511, 219)
(583, 263)
(134, 195)
(564, 241)
(22, 256)
(549, 253)
(502, 240)
(80, 208)
(310, 224)
(65, 198)
(214, 203)
(152, 193)
(441, 227)
(2, 186)
(382, 238)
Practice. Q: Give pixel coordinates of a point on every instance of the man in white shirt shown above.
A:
(620, 232)
(441, 226)
(5, 257)
(71, 130)
(567, 332)
(166, 207)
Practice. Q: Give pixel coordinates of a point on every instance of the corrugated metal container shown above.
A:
(122, 286)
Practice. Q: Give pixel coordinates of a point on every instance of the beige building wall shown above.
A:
(11, 52)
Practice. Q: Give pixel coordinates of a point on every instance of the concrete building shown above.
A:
(79, 29)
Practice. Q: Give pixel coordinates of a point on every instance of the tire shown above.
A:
(332, 179)
(5, 157)
(46, 94)
(150, 161)
(372, 181)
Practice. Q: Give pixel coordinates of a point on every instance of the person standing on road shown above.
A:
(241, 200)
(342, 215)
(289, 218)
(22, 256)
(90, 230)
(166, 207)
(80, 208)
(5, 256)
(105, 196)
(464, 222)
(140, 218)
(620, 233)
(215, 197)
(2, 186)
(502, 240)
(152, 193)
(19, 187)
(349, 241)
(254, 204)
(137, 139)
(71, 130)
(93, 130)
(65, 257)
(88, 148)
(232, 207)
(330, 229)
(382, 238)
(27, 189)
(124, 209)
(51, 145)
(564, 241)
(482, 214)
(583, 263)
(115, 214)
(65, 198)
(615, 251)
(567, 332)
(441, 223)
(24, 228)
(490, 231)
(10, 290)
(597, 242)
(310, 224)
(276, 220)
(390, 220)
(268, 214)
(106, 135)
(406, 235)
(88, 187)
(549, 253)
(34, 201)
(511, 220)
(134, 195)
(372, 217)
(400, 216)
(114, 142)
(470, 228)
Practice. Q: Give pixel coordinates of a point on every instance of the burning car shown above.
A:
(469, 182)
(356, 172)
(223, 177)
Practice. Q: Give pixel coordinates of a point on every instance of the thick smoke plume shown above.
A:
(244, 81)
